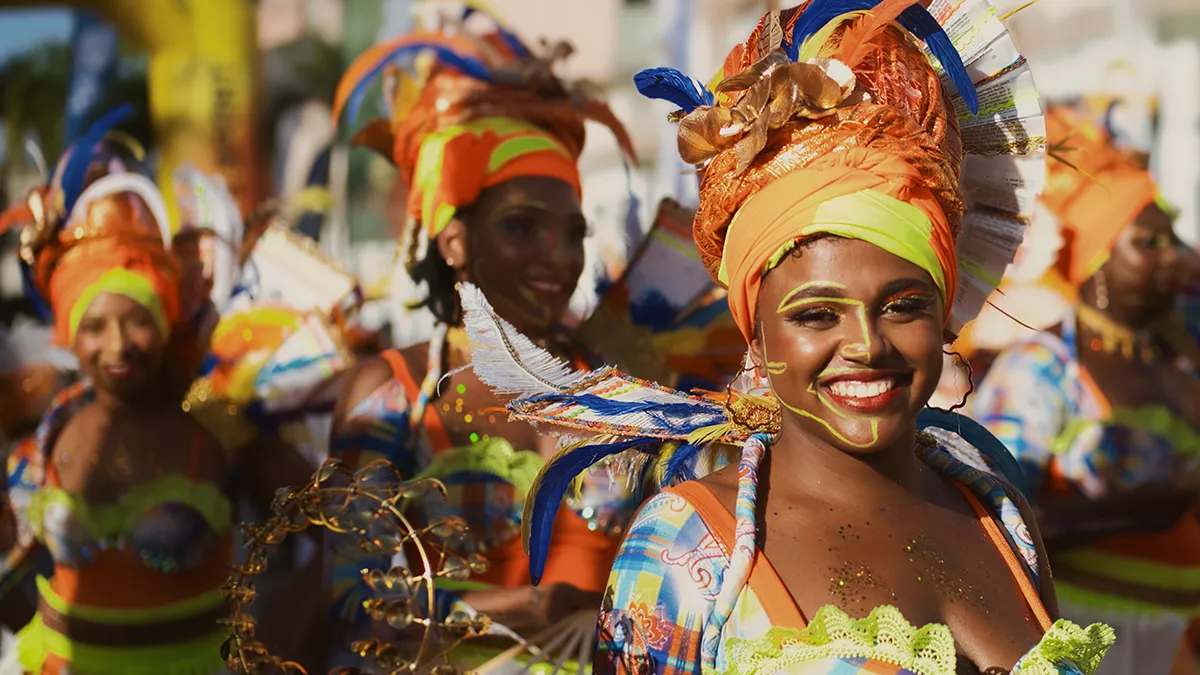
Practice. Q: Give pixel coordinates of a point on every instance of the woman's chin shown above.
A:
(867, 437)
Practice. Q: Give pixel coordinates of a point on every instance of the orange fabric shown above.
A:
(580, 556)
(908, 119)
(777, 213)
(772, 594)
(113, 232)
(465, 161)
(69, 283)
(438, 437)
(117, 579)
(1178, 546)
(1093, 188)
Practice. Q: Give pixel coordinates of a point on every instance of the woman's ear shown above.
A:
(452, 244)
(758, 352)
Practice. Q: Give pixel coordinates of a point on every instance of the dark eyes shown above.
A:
(1160, 241)
(527, 226)
(823, 317)
(816, 318)
(912, 305)
(518, 225)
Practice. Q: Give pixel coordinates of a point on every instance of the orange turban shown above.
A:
(108, 247)
(1094, 189)
(894, 142)
(457, 163)
(473, 109)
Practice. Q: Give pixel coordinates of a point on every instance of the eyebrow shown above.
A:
(906, 284)
(812, 289)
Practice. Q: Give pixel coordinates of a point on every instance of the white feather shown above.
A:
(27, 344)
(506, 360)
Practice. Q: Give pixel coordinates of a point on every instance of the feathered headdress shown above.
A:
(463, 88)
(97, 225)
(841, 85)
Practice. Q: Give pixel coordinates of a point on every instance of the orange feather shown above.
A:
(856, 40)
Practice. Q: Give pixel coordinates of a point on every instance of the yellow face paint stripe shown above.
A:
(820, 397)
(784, 304)
(853, 349)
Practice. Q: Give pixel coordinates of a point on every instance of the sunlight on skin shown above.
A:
(857, 349)
(850, 351)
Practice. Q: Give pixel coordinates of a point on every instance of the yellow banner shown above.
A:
(203, 77)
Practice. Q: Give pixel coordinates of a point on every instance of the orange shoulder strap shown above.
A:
(1010, 558)
(438, 437)
(776, 601)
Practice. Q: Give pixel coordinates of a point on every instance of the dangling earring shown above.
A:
(970, 383)
(1101, 290)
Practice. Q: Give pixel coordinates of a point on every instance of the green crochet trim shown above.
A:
(201, 656)
(1155, 419)
(1067, 643)
(107, 521)
(492, 455)
(884, 635)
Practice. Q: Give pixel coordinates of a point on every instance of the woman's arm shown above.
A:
(370, 421)
(290, 620)
(18, 549)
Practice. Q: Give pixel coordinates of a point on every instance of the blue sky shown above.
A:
(22, 29)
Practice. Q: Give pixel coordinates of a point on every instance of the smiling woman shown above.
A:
(849, 539)
(131, 496)
(487, 140)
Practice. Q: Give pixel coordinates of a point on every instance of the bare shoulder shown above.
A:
(723, 484)
(369, 374)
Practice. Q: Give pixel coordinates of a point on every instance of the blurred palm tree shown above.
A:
(33, 101)
(33, 98)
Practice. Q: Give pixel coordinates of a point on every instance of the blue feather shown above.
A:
(33, 295)
(514, 43)
(681, 418)
(682, 464)
(671, 85)
(916, 20)
(817, 15)
(548, 494)
(921, 23)
(467, 65)
(75, 173)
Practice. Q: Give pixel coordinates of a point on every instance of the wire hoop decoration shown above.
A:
(369, 503)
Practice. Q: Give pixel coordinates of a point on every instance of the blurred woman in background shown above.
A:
(1103, 410)
(487, 141)
(129, 494)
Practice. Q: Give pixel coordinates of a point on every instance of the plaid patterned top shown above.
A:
(1040, 402)
(664, 596)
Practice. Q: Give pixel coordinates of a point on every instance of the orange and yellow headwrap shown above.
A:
(870, 150)
(457, 163)
(471, 107)
(1093, 188)
(109, 245)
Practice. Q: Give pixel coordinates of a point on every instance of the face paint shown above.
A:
(854, 344)
(780, 368)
